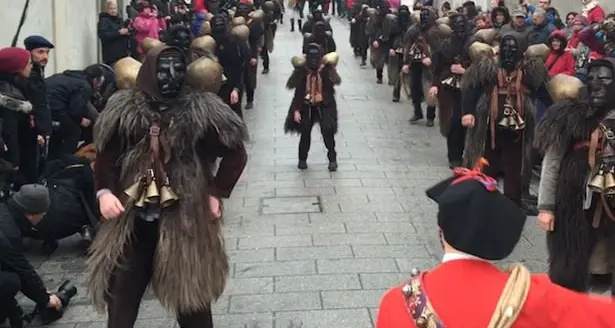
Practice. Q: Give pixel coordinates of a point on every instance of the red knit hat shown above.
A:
(13, 60)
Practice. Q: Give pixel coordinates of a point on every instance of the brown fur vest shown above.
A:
(483, 75)
(191, 265)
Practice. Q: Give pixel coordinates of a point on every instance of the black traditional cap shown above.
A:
(475, 217)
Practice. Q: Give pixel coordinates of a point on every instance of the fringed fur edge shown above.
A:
(230, 128)
(563, 122)
(15, 104)
(536, 73)
(297, 77)
(212, 111)
(482, 74)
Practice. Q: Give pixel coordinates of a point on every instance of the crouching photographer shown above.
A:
(20, 214)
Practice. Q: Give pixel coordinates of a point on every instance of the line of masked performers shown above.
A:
(485, 87)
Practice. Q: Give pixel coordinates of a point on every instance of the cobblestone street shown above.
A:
(315, 249)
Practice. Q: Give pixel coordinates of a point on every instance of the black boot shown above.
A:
(292, 24)
(379, 76)
(431, 114)
(300, 24)
(14, 314)
(396, 92)
(302, 165)
(418, 113)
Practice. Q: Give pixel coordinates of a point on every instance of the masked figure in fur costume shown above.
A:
(320, 36)
(449, 63)
(395, 27)
(314, 79)
(378, 52)
(423, 40)
(499, 111)
(156, 146)
(575, 199)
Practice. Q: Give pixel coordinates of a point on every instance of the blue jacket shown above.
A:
(196, 24)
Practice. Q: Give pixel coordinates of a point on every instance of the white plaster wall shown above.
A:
(69, 24)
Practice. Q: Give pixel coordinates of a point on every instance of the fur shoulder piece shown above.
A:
(298, 76)
(208, 110)
(108, 122)
(481, 74)
(564, 122)
(128, 110)
(536, 73)
(15, 104)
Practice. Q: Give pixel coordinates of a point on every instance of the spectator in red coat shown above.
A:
(577, 24)
(559, 60)
(593, 11)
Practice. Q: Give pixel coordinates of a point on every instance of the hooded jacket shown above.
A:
(559, 61)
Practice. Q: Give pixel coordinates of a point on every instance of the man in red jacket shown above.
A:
(478, 224)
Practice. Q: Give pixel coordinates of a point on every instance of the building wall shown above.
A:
(69, 24)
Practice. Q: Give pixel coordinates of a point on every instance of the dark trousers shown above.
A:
(265, 56)
(129, 282)
(397, 85)
(417, 90)
(507, 158)
(29, 154)
(249, 81)
(10, 284)
(64, 141)
(311, 117)
(455, 137)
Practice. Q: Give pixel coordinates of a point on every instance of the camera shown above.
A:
(66, 291)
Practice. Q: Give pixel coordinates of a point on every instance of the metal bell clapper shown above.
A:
(597, 182)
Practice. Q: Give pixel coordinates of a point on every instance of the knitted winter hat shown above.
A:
(13, 60)
(32, 199)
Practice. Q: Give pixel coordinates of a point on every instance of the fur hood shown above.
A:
(15, 104)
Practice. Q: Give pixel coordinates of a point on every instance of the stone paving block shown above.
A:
(326, 183)
(360, 227)
(251, 255)
(275, 241)
(372, 207)
(277, 268)
(342, 318)
(390, 251)
(349, 239)
(283, 229)
(248, 230)
(297, 218)
(363, 191)
(356, 265)
(316, 283)
(348, 299)
(291, 204)
(341, 217)
(221, 306)
(243, 286)
(313, 253)
(254, 320)
(407, 238)
(275, 302)
(357, 174)
(305, 191)
(382, 280)
(307, 175)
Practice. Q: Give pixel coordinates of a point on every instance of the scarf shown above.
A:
(314, 86)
